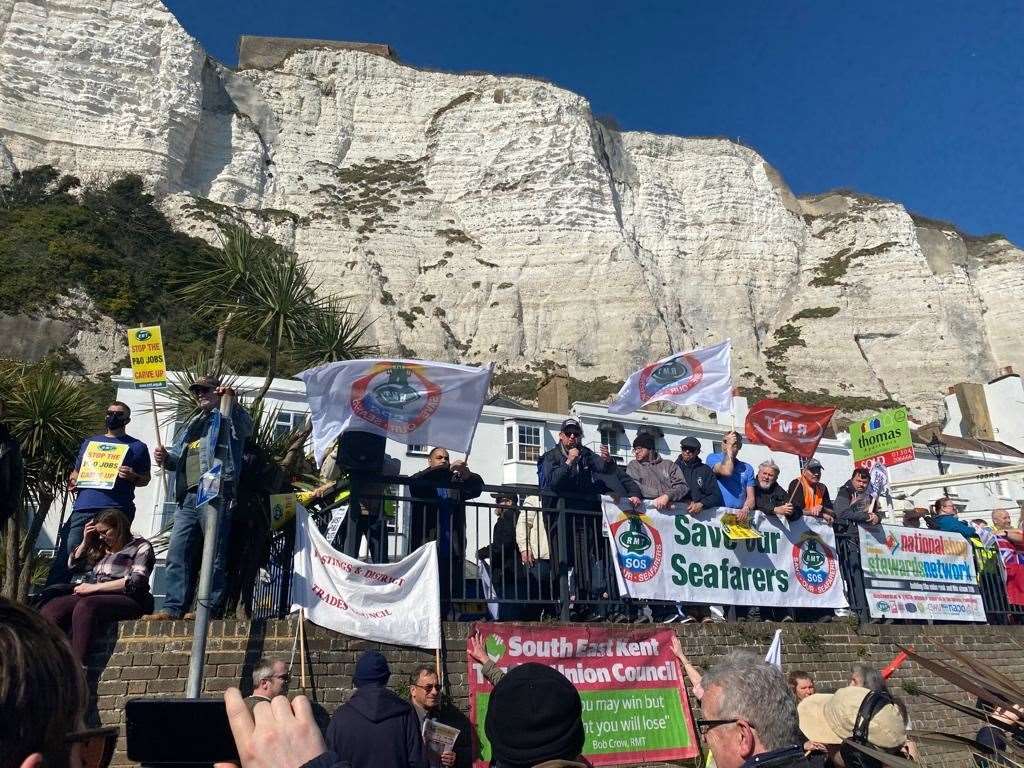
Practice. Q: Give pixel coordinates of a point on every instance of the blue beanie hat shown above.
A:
(371, 667)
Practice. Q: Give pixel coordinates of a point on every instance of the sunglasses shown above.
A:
(573, 433)
(96, 746)
(429, 687)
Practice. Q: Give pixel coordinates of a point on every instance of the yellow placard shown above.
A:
(100, 463)
(146, 347)
(282, 509)
(736, 530)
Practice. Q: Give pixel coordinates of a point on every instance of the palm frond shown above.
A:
(331, 333)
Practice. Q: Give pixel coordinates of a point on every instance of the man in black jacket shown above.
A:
(439, 514)
(770, 497)
(577, 476)
(425, 695)
(853, 507)
(376, 727)
(700, 478)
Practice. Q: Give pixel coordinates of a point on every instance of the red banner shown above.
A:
(787, 427)
(635, 709)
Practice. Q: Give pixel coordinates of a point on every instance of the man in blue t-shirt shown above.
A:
(735, 477)
(133, 473)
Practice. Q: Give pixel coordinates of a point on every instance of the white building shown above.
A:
(511, 437)
(987, 412)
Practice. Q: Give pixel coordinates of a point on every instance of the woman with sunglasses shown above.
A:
(117, 566)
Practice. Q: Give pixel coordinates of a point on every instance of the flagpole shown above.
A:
(302, 647)
(476, 423)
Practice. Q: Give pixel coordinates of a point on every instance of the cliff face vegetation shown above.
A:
(480, 218)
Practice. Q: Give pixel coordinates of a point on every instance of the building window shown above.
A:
(287, 422)
(529, 442)
(523, 442)
(417, 450)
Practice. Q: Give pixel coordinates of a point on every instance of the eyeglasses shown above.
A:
(706, 726)
(573, 433)
(97, 746)
(429, 687)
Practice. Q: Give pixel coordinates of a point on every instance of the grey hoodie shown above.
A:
(657, 477)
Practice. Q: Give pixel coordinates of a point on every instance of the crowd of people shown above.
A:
(749, 714)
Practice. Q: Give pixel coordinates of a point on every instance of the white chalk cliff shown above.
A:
(484, 218)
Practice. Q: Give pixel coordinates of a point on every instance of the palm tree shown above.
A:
(50, 416)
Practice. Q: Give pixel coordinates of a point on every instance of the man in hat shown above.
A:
(376, 726)
(572, 473)
(853, 507)
(535, 717)
(828, 718)
(202, 442)
(658, 479)
(701, 483)
(133, 473)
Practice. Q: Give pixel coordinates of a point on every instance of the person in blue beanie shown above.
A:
(376, 728)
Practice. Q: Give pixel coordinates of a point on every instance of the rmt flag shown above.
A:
(787, 427)
(416, 402)
(701, 377)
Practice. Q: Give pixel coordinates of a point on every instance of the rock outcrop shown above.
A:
(483, 218)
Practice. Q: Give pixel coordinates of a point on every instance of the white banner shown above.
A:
(689, 559)
(918, 573)
(701, 377)
(415, 402)
(396, 603)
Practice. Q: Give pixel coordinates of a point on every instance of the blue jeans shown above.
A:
(69, 537)
(186, 535)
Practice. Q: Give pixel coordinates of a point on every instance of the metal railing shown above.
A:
(508, 562)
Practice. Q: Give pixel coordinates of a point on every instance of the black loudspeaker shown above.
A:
(361, 451)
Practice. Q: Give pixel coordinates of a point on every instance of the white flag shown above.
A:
(774, 655)
(415, 402)
(701, 377)
(396, 603)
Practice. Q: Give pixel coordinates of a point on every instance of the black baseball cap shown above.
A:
(813, 465)
(570, 425)
(690, 442)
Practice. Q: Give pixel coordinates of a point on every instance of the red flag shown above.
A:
(787, 427)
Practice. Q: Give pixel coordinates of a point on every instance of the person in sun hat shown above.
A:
(867, 717)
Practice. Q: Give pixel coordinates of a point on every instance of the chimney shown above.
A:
(976, 422)
(1006, 371)
(553, 392)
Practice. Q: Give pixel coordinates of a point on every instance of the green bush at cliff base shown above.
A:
(112, 243)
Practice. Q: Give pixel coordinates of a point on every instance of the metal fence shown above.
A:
(500, 552)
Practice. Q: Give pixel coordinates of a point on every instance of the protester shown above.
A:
(735, 477)
(993, 593)
(771, 498)
(748, 715)
(283, 734)
(534, 550)
(944, 517)
(439, 514)
(865, 676)
(478, 653)
(425, 695)
(376, 727)
(659, 480)
(912, 517)
(204, 439)
(502, 554)
(1011, 549)
(801, 684)
(809, 496)
(133, 473)
(116, 585)
(535, 717)
(572, 473)
(43, 698)
(270, 678)
(336, 487)
(12, 472)
(853, 507)
(701, 482)
(829, 718)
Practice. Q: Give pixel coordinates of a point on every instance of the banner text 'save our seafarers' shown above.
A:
(416, 402)
(701, 377)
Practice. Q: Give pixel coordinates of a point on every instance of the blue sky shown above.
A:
(920, 101)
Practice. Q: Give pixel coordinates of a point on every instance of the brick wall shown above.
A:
(151, 659)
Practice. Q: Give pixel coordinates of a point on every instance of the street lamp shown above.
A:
(936, 447)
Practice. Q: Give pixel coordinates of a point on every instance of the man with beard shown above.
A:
(770, 497)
